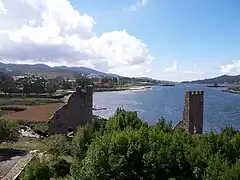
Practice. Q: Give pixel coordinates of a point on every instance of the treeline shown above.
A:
(38, 85)
(125, 147)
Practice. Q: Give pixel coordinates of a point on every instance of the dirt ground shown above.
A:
(40, 113)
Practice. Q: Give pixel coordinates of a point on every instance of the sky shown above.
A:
(164, 39)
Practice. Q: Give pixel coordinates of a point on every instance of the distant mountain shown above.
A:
(47, 71)
(85, 70)
(218, 80)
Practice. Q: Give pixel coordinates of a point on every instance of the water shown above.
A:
(220, 108)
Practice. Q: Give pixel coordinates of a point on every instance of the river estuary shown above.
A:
(220, 108)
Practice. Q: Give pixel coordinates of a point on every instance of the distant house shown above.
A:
(98, 83)
(18, 77)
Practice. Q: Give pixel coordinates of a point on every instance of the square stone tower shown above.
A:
(193, 113)
(77, 111)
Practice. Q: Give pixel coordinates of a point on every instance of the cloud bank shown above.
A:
(232, 68)
(54, 33)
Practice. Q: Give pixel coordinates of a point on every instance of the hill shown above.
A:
(85, 70)
(224, 79)
(47, 71)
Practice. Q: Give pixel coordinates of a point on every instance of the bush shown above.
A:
(124, 147)
(58, 145)
(123, 119)
(40, 128)
(59, 167)
(8, 130)
(85, 135)
(36, 170)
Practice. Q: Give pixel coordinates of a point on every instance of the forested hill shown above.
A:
(218, 80)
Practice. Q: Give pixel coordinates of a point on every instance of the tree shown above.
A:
(8, 130)
(51, 88)
(124, 119)
(58, 145)
(83, 81)
(124, 147)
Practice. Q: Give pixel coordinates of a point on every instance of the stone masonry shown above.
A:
(77, 111)
(193, 113)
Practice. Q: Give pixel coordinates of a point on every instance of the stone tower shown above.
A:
(193, 112)
(77, 111)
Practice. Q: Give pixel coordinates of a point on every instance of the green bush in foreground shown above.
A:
(36, 170)
(125, 147)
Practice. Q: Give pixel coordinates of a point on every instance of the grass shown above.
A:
(26, 143)
(27, 101)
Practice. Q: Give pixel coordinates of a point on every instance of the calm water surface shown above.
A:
(220, 108)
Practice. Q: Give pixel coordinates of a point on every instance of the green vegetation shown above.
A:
(26, 143)
(125, 147)
(8, 131)
(39, 128)
(27, 101)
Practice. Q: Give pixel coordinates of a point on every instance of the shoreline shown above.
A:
(137, 88)
(232, 91)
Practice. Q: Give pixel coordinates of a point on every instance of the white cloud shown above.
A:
(232, 68)
(54, 33)
(194, 72)
(172, 68)
(137, 5)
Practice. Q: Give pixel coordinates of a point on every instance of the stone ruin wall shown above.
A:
(77, 111)
(193, 113)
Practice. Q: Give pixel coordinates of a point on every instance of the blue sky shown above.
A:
(200, 35)
(164, 39)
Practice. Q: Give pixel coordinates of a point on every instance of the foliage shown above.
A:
(58, 145)
(40, 128)
(36, 170)
(84, 137)
(83, 81)
(8, 130)
(125, 147)
(123, 119)
(27, 101)
(59, 167)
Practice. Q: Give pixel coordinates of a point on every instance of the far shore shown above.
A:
(231, 91)
(136, 88)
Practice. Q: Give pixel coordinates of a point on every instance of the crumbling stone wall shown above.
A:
(77, 111)
(193, 113)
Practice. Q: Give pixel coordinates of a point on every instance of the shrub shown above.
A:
(36, 170)
(8, 130)
(85, 135)
(40, 128)
(59, 167)
(123, 119)
(58, 145)
(124, 147)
